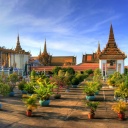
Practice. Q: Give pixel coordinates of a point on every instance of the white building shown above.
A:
(111, 58)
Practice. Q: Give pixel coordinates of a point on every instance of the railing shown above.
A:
(7, 71)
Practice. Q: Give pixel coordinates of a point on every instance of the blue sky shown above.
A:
(71, 27)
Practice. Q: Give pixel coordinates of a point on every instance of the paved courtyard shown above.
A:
(67, 112)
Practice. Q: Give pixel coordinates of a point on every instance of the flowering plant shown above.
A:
(120, 107)
(58, 81)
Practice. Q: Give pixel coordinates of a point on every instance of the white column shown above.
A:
(101, 62)
(106, 68)
(121, 62)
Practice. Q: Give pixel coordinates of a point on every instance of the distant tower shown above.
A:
(18, 47)
(98, 50)
(44, 58)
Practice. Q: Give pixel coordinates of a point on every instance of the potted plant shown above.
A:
(21, 86)
(4, 90)
(30, 103)
(120, 109)
(29, 87)
(121, 92)
(90, 89)
(92, 106)
(67, 83)
(44, 90)
(74, 82)
(12, 78)
(59, 83)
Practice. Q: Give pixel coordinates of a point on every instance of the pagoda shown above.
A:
(44, 58)
(111, 58)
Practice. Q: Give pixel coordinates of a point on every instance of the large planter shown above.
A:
(29, 113)
(44, 103)
(121, 116)
(11, 94)
(74, 86)
(90, 97)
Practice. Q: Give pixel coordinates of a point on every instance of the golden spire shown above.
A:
(111, 35)
(18, 41)
(45, 48)
(40, 51)
(98, 50)
(18, 47)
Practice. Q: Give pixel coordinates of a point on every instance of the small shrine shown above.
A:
(111, 58)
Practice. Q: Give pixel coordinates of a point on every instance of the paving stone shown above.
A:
(67, 112)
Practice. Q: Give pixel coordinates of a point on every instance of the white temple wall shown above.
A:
(19, 59)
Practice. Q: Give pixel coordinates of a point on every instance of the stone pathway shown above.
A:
(67, 112)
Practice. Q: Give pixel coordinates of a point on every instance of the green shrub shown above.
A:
(75, 81)
(21, 85)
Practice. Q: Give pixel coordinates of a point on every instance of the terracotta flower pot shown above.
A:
(121, 116)
(29, 113)
(91, 115)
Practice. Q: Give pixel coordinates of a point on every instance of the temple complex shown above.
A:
(45, 59)
(109, 60)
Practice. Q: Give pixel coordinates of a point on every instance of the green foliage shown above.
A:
(89, 71)
(44, 90)
(125, 71)
(33, 73)
(97, 72)
(29, 87)
(70, 71)
(119, 107)
(4, 89)
(122, 90)
(56, 70)
(12, 78)
(30, 102)
(75, 81)
(115, 79)
(92, 105)
(61, 73)
(21, 85)
(90, 88)
(81, 77)
(97, 75)
(67, 81)
(67, 74)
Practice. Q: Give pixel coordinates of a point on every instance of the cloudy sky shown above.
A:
(71, 27)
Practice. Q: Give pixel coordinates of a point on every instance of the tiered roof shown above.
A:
(111, 51)
(18, 48)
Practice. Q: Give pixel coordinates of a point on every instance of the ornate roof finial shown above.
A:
(98, 50)
(18, 41)
(18, 47)
(45, 48)
(111, 34)
(40, 51)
